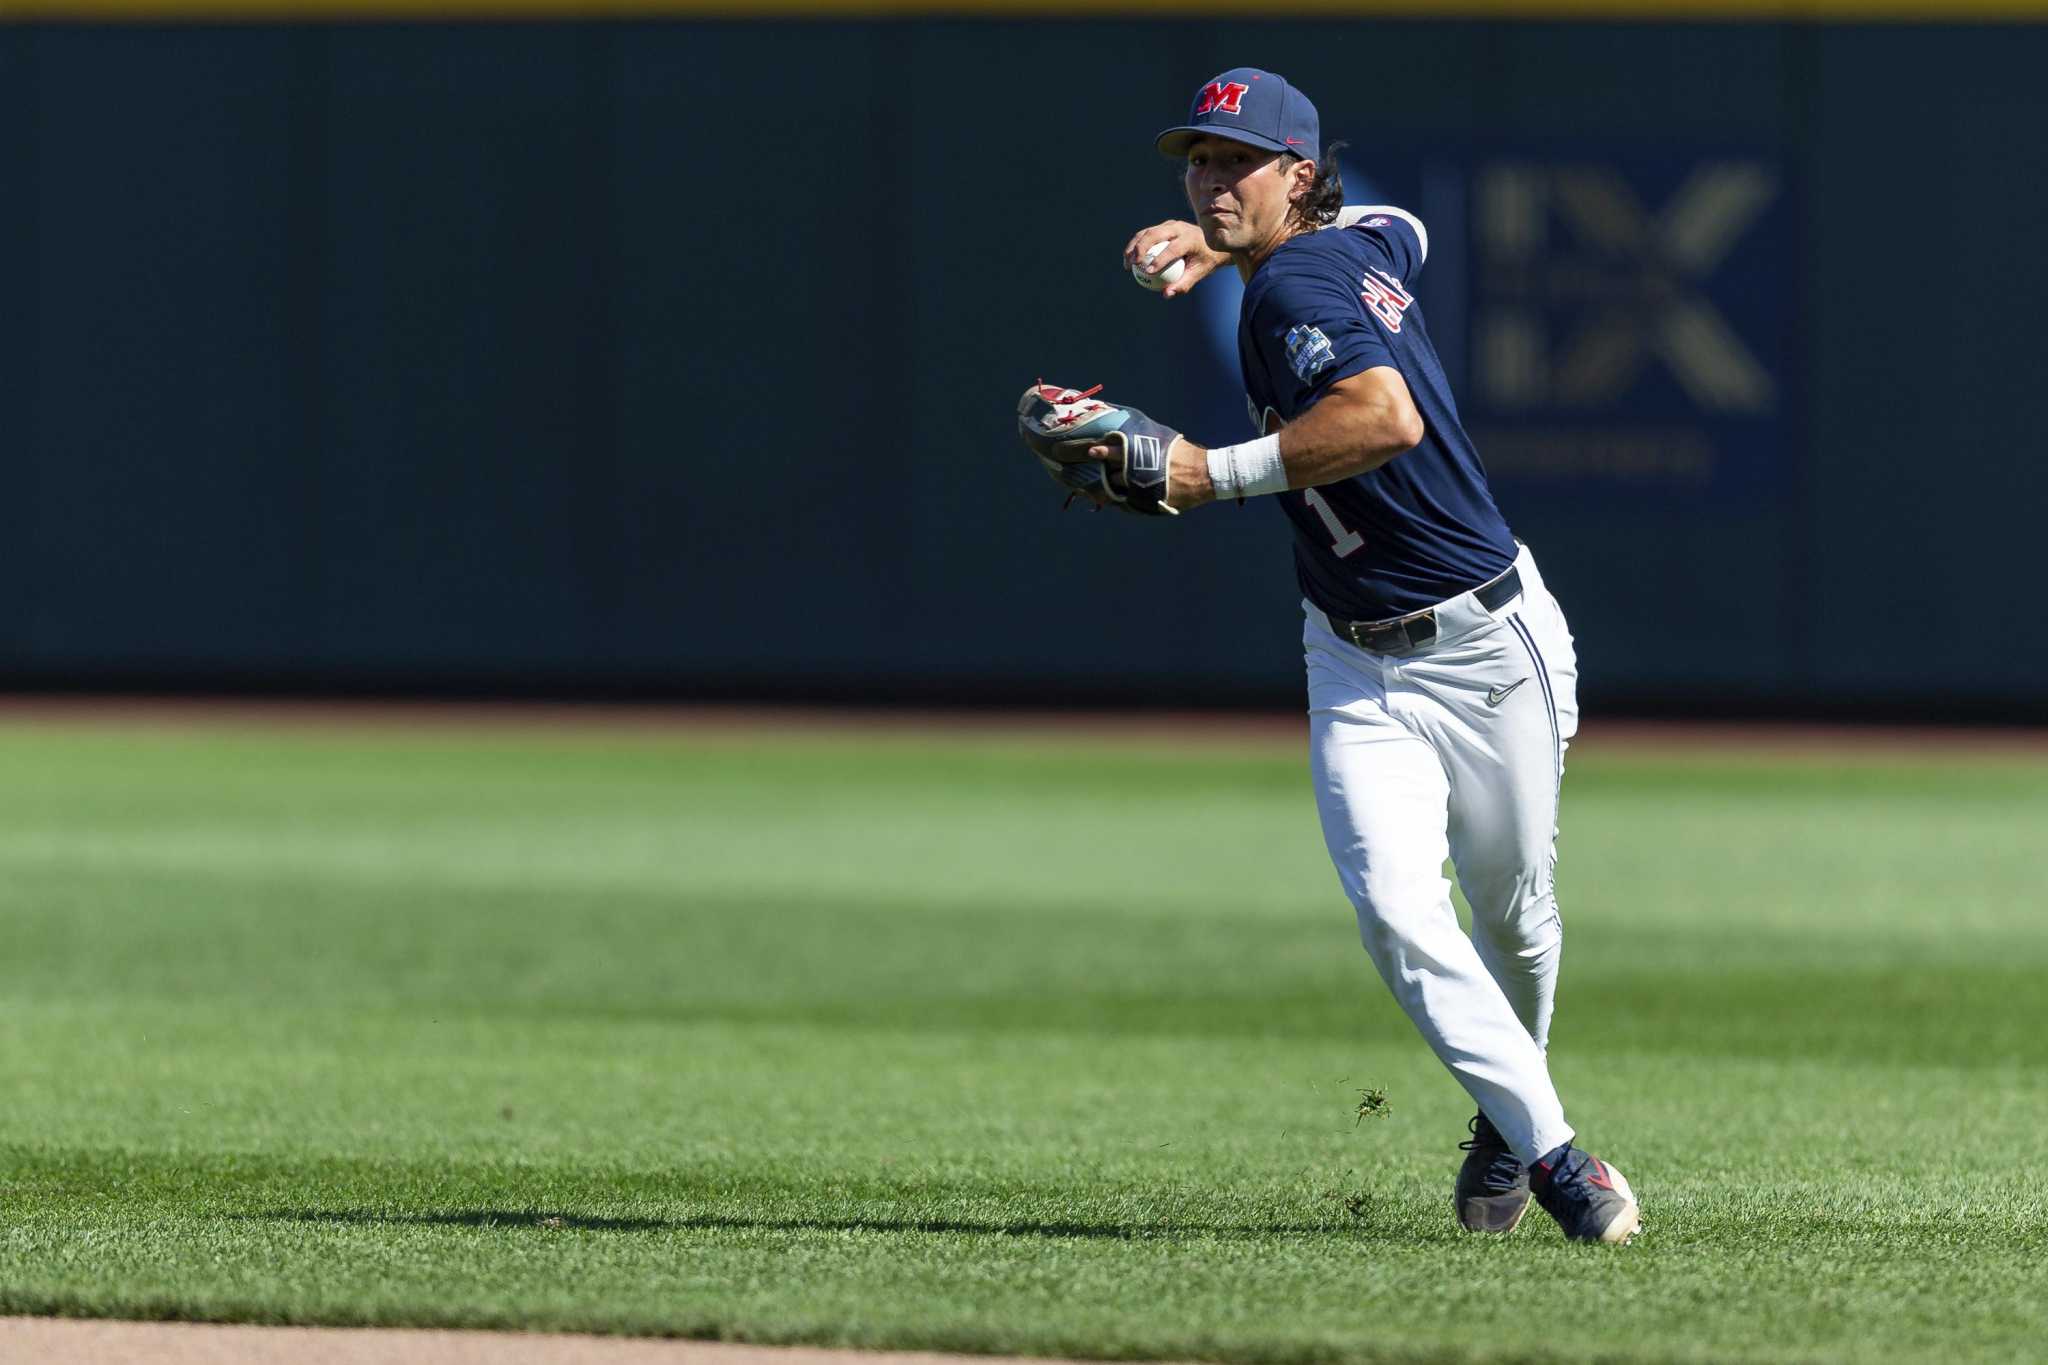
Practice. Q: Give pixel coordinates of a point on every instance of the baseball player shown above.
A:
(1441, 677)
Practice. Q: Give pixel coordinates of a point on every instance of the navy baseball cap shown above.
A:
(1246, 104)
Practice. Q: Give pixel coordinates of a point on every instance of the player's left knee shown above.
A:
(1526, 927)
(1506, 886)
(1541, 927)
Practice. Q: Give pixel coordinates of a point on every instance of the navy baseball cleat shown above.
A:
(1589, 1198)
(1493, 1184)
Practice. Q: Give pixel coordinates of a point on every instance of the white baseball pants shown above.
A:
(1456, 751)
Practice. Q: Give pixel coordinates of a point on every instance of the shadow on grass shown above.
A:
(529, 1218)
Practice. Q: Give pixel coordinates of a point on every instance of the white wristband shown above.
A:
(1247, 470)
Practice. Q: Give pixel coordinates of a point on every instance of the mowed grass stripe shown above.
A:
(997, 1045)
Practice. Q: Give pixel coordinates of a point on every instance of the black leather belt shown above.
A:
(1406, 634)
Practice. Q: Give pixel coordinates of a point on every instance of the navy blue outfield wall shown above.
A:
(680, 356)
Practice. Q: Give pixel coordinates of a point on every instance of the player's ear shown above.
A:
(1304, 173)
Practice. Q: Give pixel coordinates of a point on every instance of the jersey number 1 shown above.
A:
(1344, 542)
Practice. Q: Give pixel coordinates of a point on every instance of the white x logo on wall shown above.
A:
(1570, 324)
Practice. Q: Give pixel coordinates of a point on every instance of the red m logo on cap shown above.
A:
(1219, 97)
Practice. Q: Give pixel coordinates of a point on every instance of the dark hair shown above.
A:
(1325, 196)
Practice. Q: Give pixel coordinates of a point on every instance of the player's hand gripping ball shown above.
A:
(1157, 282)
(1060, 426)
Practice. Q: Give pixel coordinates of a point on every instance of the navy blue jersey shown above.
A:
(1422, 527)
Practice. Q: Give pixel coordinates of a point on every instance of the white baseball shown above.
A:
(1165, 277)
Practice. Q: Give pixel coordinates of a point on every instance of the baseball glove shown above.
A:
(1059, 425)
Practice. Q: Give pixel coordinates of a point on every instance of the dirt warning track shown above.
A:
(188, 1343)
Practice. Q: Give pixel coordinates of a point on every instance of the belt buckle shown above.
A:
(1399, 636)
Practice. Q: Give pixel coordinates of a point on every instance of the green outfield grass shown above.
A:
(992, 1044)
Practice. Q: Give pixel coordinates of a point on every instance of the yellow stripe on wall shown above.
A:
(1910, 11)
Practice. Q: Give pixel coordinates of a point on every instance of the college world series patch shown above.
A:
(1308, 350)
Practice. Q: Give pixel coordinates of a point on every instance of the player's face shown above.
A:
(1239, 194)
